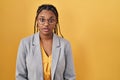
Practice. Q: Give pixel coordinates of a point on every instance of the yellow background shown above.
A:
(92, 27)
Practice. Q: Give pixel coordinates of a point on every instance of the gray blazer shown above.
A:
(29, 60)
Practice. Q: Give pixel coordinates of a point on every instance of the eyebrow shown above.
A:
(44, 17)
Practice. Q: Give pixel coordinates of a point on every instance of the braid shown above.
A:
(35, 26)
(60, 31)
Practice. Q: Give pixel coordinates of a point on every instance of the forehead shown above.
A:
(46, 14)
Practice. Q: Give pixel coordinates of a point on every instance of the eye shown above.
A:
(42, 20)
(51, 20)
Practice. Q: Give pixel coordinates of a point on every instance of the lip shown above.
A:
(45, 29)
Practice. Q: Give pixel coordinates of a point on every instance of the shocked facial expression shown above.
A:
(46, 22)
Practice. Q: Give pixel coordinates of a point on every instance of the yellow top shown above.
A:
(46, 65)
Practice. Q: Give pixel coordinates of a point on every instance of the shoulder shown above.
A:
(30, 39)
(27, 39)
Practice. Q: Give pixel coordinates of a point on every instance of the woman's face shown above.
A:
(46, 22)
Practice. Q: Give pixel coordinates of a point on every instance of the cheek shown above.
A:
(54, 25)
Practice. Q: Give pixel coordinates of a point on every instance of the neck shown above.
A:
(46, 37)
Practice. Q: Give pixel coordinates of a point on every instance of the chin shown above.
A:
(47, 33)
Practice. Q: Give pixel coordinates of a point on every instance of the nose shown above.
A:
(46, 23)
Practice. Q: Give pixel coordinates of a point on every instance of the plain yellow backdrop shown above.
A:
(92, 27)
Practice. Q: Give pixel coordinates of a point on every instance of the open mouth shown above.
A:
(45, 29)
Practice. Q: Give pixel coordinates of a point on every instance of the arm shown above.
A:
(69, 73)
(21, 70)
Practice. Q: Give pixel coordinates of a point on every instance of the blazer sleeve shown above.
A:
(69, 73)
(21, 69)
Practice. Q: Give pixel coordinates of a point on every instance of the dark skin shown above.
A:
(46, 21)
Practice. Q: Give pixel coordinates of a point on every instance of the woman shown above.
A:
(45, 55)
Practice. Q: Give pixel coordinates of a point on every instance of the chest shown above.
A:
(47, 46)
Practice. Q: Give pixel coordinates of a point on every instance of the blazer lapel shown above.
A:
(55, 54)
(37, 55)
